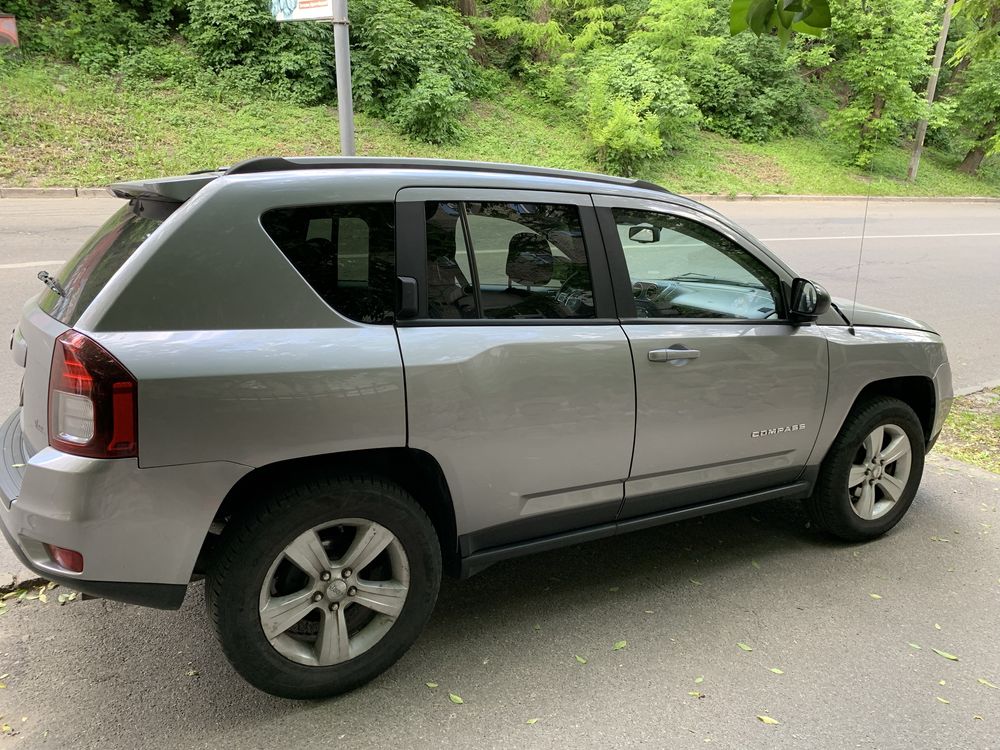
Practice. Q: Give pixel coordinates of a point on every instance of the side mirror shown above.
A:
(644, 233)
(809, 301)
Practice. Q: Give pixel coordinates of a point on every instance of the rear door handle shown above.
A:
(673, 355)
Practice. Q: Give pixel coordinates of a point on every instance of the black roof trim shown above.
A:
(281, 164)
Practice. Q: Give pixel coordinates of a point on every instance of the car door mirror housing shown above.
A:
(644, 233)
(809, 301)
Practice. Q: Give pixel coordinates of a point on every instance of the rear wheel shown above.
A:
(871, 473)
(322, 587)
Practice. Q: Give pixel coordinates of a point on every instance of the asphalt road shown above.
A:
(100, 674)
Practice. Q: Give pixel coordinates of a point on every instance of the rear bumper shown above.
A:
(139, 530)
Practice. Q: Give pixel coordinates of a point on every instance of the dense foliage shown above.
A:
(638, 76)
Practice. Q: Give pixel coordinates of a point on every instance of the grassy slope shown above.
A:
(972, 432)
(61, 127)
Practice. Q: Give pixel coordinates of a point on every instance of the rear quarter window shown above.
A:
(87, 272)
(345, 252)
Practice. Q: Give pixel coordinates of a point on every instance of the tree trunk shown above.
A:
(970, 164)
(467, 7)
(974, 159)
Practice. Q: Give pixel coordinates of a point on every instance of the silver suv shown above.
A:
(318, 383)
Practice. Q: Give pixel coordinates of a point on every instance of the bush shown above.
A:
(431, 111)
(240, 41)
(412, 66)
(635, 111)
(752, 92)
(167, 62)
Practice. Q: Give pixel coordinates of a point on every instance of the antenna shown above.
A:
(864, 226)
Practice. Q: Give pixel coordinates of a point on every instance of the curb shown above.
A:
(56, 192)
(98, 192)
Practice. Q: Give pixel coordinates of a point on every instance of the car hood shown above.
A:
(866, 315)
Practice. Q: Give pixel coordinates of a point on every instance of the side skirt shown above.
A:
(479, 561)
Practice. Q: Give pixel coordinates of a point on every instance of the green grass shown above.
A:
(972, 431)
(62, 127)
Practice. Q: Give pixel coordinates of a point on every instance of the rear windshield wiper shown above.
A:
(51, 282)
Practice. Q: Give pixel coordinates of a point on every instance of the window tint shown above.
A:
(345, 252)
(683, 269)
(86, 273)
(512, 261)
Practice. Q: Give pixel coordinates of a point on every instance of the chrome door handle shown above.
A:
(673, 355)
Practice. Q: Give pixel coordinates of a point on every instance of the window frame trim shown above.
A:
(621, 278)
(411, 249)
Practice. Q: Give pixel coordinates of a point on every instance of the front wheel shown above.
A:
(871, 473)
(321, 587)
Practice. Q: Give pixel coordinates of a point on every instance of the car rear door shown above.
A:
(518, 375)
(729, 394)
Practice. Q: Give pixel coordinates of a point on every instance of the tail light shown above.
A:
(93, 408)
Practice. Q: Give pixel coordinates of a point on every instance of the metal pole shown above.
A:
(345, 99)
(918, 143)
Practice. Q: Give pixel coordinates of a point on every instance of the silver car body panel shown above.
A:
(255, 397)
(707, 420)
(872, 354)
(131, 524)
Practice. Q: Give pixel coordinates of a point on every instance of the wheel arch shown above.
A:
(416, 471)
(916, 391)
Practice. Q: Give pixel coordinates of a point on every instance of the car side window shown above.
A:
(345, 252)
(506, 261)
(681, 268)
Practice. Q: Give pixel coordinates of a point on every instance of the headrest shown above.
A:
(529, 259)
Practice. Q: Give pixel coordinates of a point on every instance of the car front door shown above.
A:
(518, 375)
(729, 393)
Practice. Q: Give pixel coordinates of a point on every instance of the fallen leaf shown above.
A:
(943, 700)
(945, 654)
(939, 539)
(52, 585)
(193, 673)
(936, 626)
(43, 598)
(875, 596)
(613, 588)
(17, 466)
(456, 699)
(755, 564)
(698, 680)
(63, 598)
(744, 646)
(977, 717)
(987, 683)
(619, 645)
(579, 659)
(913, 645)
(776, 670)
(531, 721)
(11, 594)
(649, 611)
(536, 626)
(768, 720)
(695, 582)
(940, 682)
(2, 686)
(431, 685)
(696, 694)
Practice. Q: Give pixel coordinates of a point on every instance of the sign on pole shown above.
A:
(302, 10)
(334, 11)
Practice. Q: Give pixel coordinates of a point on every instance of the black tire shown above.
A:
(830, 506)
(253, 540)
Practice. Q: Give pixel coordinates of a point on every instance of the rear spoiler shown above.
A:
(167, 190)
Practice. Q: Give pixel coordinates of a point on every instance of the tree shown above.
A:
(781, 16)
(977, 113)
(881, 52)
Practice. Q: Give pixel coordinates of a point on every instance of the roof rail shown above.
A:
(282, 164)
